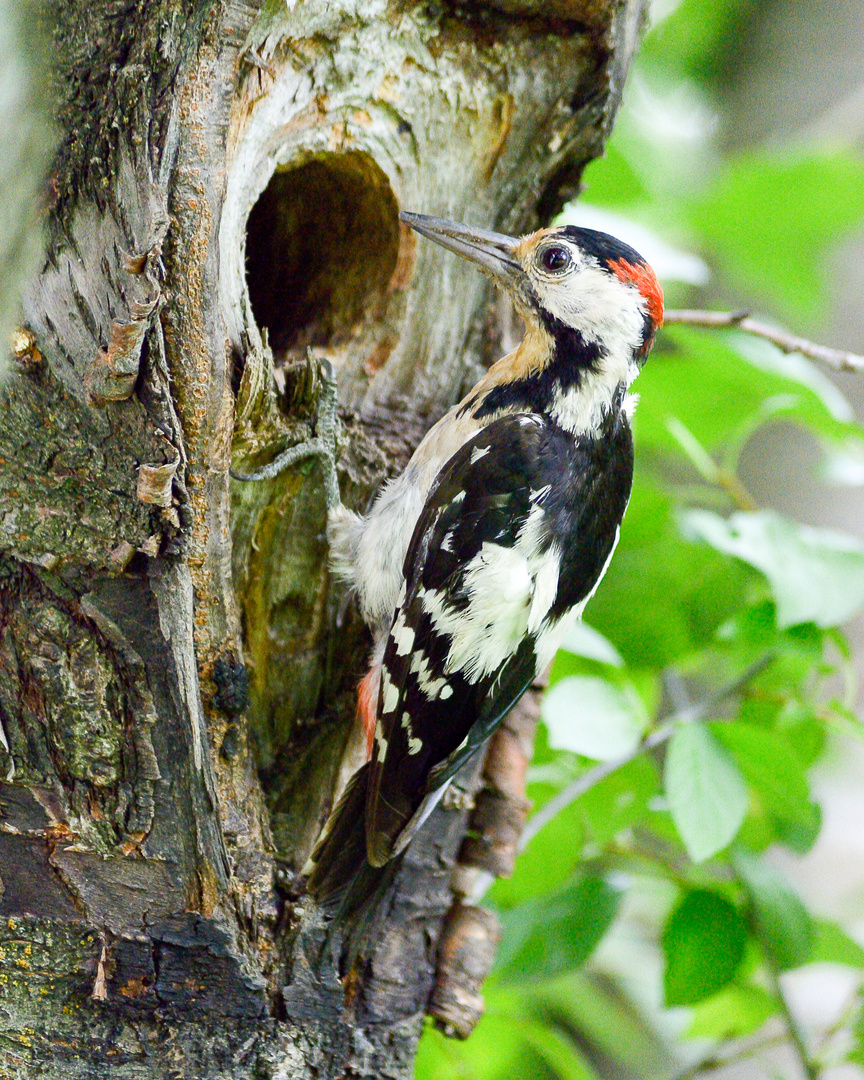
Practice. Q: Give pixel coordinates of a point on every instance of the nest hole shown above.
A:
(321, 246)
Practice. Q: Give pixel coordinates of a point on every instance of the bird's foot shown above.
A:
(323, 445)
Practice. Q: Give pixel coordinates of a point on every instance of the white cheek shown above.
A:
(607, 312)
(600, 306)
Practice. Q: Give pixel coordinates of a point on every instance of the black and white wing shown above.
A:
(515, 534)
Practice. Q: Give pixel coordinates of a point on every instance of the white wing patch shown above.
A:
(380, 742)
(414, 745)
(552, 633)
(429, 686)
(545, 589)
(390, 693)
(510, 591)
(402, 634)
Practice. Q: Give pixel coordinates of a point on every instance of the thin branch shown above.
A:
(796, 1035)
(676, 690)
(659, 735)
(708, 468)
(744, 1053)
(592, 778)
(838, 359)
(843, 121)
(843, 1020)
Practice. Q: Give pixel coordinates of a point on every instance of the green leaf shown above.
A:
(816, 575)
(732, 1013)
(497, 1050)
(592, 717)
(613, 181)
(557, 933)
(656, 615)
(695, 38)
(805, 733)
(610, 1026)
(855, 1054)
(619, 800)
(753, 227)
(693, 369)
(773, 770)
(583, 640)
(782, 924)
(797, 369)
(781, 691)
(832, 945)
(703, 942)
(707, 796)
(561, 1054)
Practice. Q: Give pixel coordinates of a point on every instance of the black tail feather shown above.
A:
(340, 854)
(342, 881)
(347, 889)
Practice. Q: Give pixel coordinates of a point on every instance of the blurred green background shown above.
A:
(652, 928)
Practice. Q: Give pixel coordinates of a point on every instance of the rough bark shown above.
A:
(26, 146)
(176, 670)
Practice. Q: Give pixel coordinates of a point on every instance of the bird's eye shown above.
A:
(555, 259)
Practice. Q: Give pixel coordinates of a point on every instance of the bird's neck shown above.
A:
(554, 371)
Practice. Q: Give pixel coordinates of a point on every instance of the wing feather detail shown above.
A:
(514, 534)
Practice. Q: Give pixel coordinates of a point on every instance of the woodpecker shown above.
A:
(474, 562)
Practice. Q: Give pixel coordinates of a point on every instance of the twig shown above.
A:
(838, 359)
(750, 1050)
(707, 467)
(676, 690)
(843, 1019)
(843, 121)
(796, 1036)
(591, 779)
(659, 735)
(466, 953)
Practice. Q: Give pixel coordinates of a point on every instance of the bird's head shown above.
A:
(565, 279)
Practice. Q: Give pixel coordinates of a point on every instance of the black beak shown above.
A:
(493, 252)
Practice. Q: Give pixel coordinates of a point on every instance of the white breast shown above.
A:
(369, 552)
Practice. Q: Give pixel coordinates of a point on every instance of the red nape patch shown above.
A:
(367, 705)
(643, 277)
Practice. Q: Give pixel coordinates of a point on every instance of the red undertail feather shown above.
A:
(367, 705)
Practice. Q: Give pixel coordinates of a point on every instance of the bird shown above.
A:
(472, 564)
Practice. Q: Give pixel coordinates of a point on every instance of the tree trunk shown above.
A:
(176, 670)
